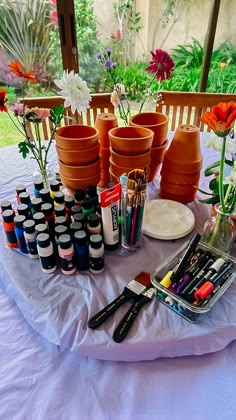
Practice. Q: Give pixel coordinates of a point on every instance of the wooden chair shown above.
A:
(100, 102)
(187, 107)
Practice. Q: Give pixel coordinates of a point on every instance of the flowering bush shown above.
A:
(161, 67)
(76, 94)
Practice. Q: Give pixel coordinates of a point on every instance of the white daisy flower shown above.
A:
(74, 90)
(215, 143)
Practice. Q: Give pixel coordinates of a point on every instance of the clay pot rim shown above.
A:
(157, 124)
(94, 163)
(75, 126)
(126, 167)
(114, 132)
(162, 146)
(146, 153)
(79, 179)
(183, 162)
(76, 151)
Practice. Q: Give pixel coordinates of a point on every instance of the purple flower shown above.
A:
(99, 56)
(108, 52)
(18, 109)
(109, 64)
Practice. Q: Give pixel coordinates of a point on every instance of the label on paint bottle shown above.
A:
(67, 264)
(110, 211)
(47, 262)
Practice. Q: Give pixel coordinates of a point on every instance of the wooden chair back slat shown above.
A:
(100, 102)
(187, 107)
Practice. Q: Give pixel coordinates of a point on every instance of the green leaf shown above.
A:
(24, 148)
(212, 200)
(229, 162)
(202, 191)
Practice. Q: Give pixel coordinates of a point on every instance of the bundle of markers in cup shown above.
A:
(133, 196)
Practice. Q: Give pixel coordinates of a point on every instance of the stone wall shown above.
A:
(190, 21)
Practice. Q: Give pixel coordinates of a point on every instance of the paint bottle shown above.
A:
(19, 231)
(5, 205)
(25, 199)
(60, 220)
(46, 254)
(8, 226)
(19, 189)
(91, 191)
(110, 211)
(87, 206)
(74, 210)
(54, 187)
(93, 225)
(96, 254)
(60, 210)
(30, 238)
(36, 205)
(38, 186)
(47, 210)
(66, 253)
(39, 218)
(81, 250)
(69, 203)
(74, 227)
(59, 198)
(80, 217)
(79, 196)
(45, 196)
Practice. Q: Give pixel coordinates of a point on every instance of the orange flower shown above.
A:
(3, 100)
(39, 114)
(16, 68)
(221, 118)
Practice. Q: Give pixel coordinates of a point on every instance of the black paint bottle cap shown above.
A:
(29, 226)
(93, 220)
(91, 191)
(43, 240)
(47, 209)
(80, 237)
(8, 215)
(5, 205)
(59, 197)
(60, 220)
(69, 201)
(79, 195)
(39, 218)
(64, 241)
(75, 226)
(41, 228)
(24, 197)
(38, 185)
(19, 220)
(60, 230)
(45, 194)
(23, 210)
(55, 185)
(36, 203)
(79, 217)
(20, 188)
(60, 210)
(96, 241)
(76, 209)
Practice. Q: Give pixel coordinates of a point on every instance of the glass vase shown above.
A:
(45, 175)
(219, 230)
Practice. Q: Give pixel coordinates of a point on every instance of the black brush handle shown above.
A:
(106, 312)
(127, 321)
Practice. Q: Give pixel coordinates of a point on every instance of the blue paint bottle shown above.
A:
(19, 231)
(81, 250)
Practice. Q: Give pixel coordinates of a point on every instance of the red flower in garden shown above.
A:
(221, 118)
(16, 68)
(118, 36)
(161, 64)
(3, 100)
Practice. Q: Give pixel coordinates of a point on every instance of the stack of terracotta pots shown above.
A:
(181, 166)
(78, 156)
(104, 122)
(130, 149)
(158, 123)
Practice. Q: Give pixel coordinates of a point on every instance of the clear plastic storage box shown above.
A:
(178, 304)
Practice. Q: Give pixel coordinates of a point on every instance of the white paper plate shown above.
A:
(167, 219)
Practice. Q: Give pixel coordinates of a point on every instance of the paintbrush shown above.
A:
(132, 291)
(127, 321)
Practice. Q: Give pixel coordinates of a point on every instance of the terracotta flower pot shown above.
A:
(105, 122)
(75, 157)
(176, 178)
(76, 137)
(155, 121)
(130, 140)
(119, 170)
(105, 156)
(73, 184)
(82, 171)
(157, 155)
(180, 198)
(177, 189)
(113, 178)
(138, 161)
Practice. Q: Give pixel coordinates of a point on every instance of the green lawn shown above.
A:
(8, 133)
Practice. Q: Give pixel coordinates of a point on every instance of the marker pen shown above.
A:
(209, 286)
(223, 280)
(196, 279)
(186, 257)
(192, 272)
(213, 269)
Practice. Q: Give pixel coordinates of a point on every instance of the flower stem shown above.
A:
(221, 177)
(145, 96)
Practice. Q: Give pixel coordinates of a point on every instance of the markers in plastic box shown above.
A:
(110, 211)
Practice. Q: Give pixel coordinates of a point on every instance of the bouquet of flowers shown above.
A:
(161, 67)
(76, 94)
